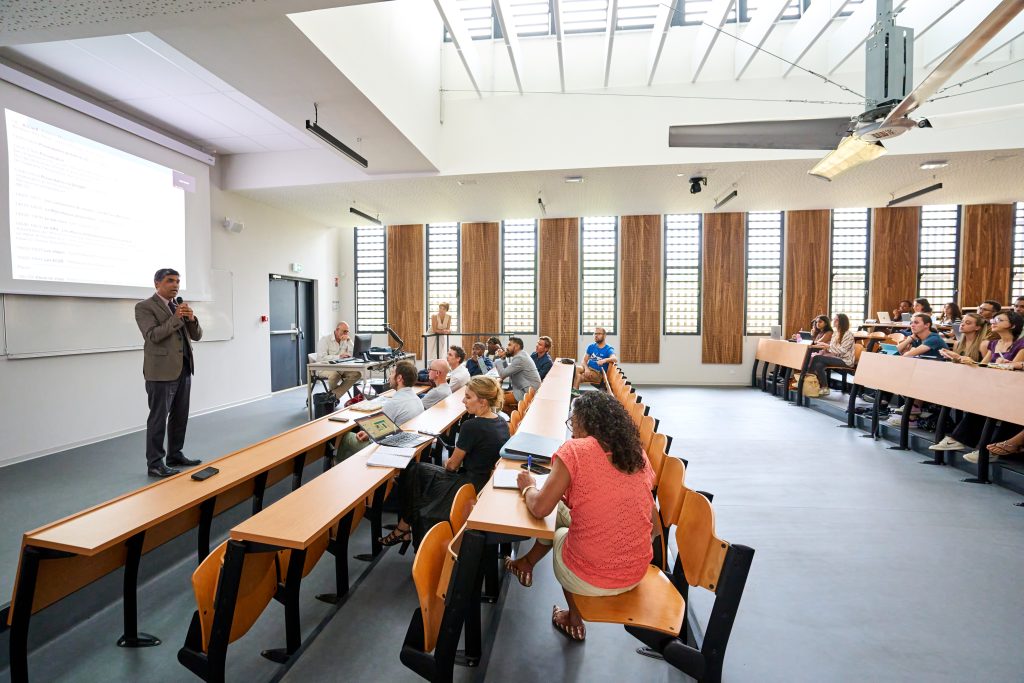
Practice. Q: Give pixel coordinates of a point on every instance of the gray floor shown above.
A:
(869, 566)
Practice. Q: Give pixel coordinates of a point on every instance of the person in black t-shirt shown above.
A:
(425, 491)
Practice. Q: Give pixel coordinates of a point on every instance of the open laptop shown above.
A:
(890, 349)
(806, 336)
(383, 431)
(907, 317)
(883, 317)
(776, 332)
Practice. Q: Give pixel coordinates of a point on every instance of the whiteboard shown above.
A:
(36, 326)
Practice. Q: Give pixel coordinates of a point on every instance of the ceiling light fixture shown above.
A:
(573, 179)
(334, 142)
(726, 199)
(850, 152)
(917, 193)
(932, 165)
(375, 221)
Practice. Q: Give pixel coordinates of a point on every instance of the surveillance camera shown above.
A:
(696, 182)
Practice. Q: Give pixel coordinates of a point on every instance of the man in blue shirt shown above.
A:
(923, 340)
(598, 356)
(542, 356)
(479, 363)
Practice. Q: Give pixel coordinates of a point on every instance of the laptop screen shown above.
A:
(377, 426)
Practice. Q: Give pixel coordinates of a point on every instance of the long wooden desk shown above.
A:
(994, 394)
(67, 555)
(300, 520)
(781, 354)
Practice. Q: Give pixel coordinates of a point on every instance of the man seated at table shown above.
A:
(493, 347)
(458, 375)
(335, 346)
(519, 370)
(437, 373)
(401, 407)
(542, 356)
(923, 341)
(1018, 305)
(988, 309)
(599, 354)
(478, 363)
(906, 306)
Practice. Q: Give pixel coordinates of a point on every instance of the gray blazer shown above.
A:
(521, 373)
(164, 348)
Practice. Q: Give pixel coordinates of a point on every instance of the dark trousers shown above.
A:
(168, 413)
(968, 430)
(819, 365)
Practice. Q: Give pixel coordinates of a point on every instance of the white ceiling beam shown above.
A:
(953, 28)
(855, 31)
(708, 33)
(760, 27)
(461, 39)
(807, 31)
(1013, 31)
(662, 21)
(609, 37)
(507, 22)
(922, 16)
(556, 14)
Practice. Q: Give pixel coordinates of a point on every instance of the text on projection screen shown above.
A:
(84, 212)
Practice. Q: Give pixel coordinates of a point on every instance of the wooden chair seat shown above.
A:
(653, 604)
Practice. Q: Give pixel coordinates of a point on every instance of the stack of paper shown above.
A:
(389, 456)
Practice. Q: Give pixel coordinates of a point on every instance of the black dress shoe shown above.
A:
(182, 461)
(162, 470)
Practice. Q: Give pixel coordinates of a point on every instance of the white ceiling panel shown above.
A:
(177, 116)
(140, 63)
(238, 145)
(90, 74)
(285, 142)
(222, 108)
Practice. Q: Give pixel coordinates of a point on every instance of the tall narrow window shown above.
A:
(443, 270)
(519, 276)
(371, 279)
(764, 271)
(599, 239)
(848, 291)
(682, 273)
(1017, 281)
(938, 255)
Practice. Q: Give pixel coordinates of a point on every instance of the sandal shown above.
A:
(1004, 448)
(403, 536)
(525, 576)
(576, 634)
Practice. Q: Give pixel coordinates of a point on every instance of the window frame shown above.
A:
(536, 279)
(1017, 253)
(700, 275)
(355, 268)
(615, 277)
(867, 263)
(956, 255)
(456, 317)
(746, 271)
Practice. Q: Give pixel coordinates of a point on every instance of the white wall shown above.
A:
(50, 404)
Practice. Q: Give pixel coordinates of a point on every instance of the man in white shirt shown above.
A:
(437, 374)
(401, 407)
(458, 377)
(336, 346)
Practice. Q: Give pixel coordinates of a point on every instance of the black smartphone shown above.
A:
(205, 473)
(537, 469)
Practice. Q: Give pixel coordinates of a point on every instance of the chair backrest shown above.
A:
(465, 497)
(255, 591)
(530, 393)
(857, 350)
(876, 335)
(670, 491)
(701, 553)
(427, 570)
(646, 431)
(657, 452)
(513, 422)
(523, 405)
(636, 411)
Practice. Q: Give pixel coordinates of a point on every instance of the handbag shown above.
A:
(811, 386)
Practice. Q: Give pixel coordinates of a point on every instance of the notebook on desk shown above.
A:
(890, 349)
(524, 445)
(506, 479)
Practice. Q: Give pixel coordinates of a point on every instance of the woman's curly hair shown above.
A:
(603, 417)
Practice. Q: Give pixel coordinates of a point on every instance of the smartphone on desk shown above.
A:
(205, 473)
(537, 469)
(338, 418)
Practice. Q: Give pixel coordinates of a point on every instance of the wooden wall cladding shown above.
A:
(722, 309)
(640, 317)
(986, 249)
(894, 243)
(406, 282)
(559, 314)
(808, 239)
(481, 280)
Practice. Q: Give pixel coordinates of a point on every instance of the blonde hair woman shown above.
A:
(426, 491)
(973, 331)
(440, 324)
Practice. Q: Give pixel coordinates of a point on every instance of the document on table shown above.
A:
(506, 478)
(389, 456)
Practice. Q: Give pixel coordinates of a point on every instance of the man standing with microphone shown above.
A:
(168, 327)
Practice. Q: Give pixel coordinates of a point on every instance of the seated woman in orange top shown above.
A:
(601, 483)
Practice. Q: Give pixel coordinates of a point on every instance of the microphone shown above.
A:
(178, 301)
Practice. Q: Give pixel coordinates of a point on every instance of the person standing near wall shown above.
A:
(168, 328)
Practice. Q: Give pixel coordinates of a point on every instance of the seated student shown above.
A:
(493, 346)
(839, 353)
(459, 374)
(951, 314)
(519, 370)
(1018, 305)
(987, 309)
(821, 332)
(922, 306)
(542, 356)
(906, 306)
(923, 340)
(425, 491)
(437, 373)
(973, 331)
(401, 407)
(598, 355)
(1008, 346)
(478, 362)
(601, 483)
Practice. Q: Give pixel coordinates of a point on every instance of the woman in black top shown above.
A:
(425, 491)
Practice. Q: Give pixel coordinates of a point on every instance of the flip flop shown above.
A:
(524, 576)
(1003, 448)
(575, 634)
